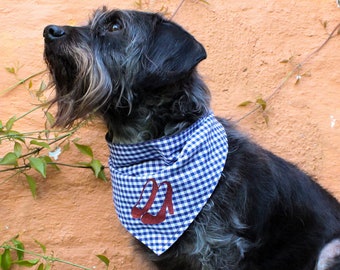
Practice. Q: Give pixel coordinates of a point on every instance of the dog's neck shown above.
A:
(159, 112)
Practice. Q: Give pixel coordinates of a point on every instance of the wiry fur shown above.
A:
(138, 71)
(106, 84)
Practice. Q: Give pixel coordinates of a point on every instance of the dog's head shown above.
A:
(119, 56)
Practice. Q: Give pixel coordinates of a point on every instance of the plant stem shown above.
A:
(69, 165)
(37, 150)
(11, 176)
(292, 72)
(177, 9)
(30, 111)
(72, 165)
(46, 258)
(16, 169)
(20, 82)
(48, 163)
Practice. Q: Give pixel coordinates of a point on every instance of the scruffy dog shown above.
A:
(194, 192)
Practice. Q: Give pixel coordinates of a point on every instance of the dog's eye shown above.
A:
(116, 26)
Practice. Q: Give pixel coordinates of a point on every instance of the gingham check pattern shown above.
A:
(192, 161)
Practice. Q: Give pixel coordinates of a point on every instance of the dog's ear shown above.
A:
(172, 55)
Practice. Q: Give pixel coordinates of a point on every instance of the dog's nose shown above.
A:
(52, 32)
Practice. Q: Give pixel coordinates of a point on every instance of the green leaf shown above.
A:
(43, 86)
(10, 70)
(42, 144)
(266, 119)
(262, 103)
(85, 149)
(15, 135)
(50, 162)
(139, 4)
(19, 245)
(9, 159)
(284, 61)
(102, 175)
(27, 263)
(32, 184)
(6, 260)
(245, 103)
(39, 164)
(66, 147)
(204, 1)
(50, 118)
(42, 246)
(17, 149)
(10, 122)
(40, 92)
(1, 126)
(96, 166)
(42, 267)
(104, 259)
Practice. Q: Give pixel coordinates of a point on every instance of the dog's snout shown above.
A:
(52, 32)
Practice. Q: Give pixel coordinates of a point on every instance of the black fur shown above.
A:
(138, 71)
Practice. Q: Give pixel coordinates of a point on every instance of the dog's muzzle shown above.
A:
(53, 32)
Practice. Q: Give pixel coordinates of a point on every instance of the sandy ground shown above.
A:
(252, 47)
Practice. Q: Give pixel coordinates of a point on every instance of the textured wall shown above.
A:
(248, 43)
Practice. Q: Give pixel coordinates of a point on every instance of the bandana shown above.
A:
(160, 186)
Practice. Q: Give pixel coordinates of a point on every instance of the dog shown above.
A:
(193, 191)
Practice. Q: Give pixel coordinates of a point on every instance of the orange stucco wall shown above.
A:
(248, 43)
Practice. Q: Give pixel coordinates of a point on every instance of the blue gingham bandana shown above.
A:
(160, 186)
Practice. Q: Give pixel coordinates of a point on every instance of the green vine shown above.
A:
(261, 103)
(33, 152)
(8, 259)
(39, 149)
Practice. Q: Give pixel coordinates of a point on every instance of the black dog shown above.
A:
(138, 71)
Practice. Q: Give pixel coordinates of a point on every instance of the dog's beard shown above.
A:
(82, 83)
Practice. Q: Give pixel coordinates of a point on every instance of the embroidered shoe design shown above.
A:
(143, 214)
